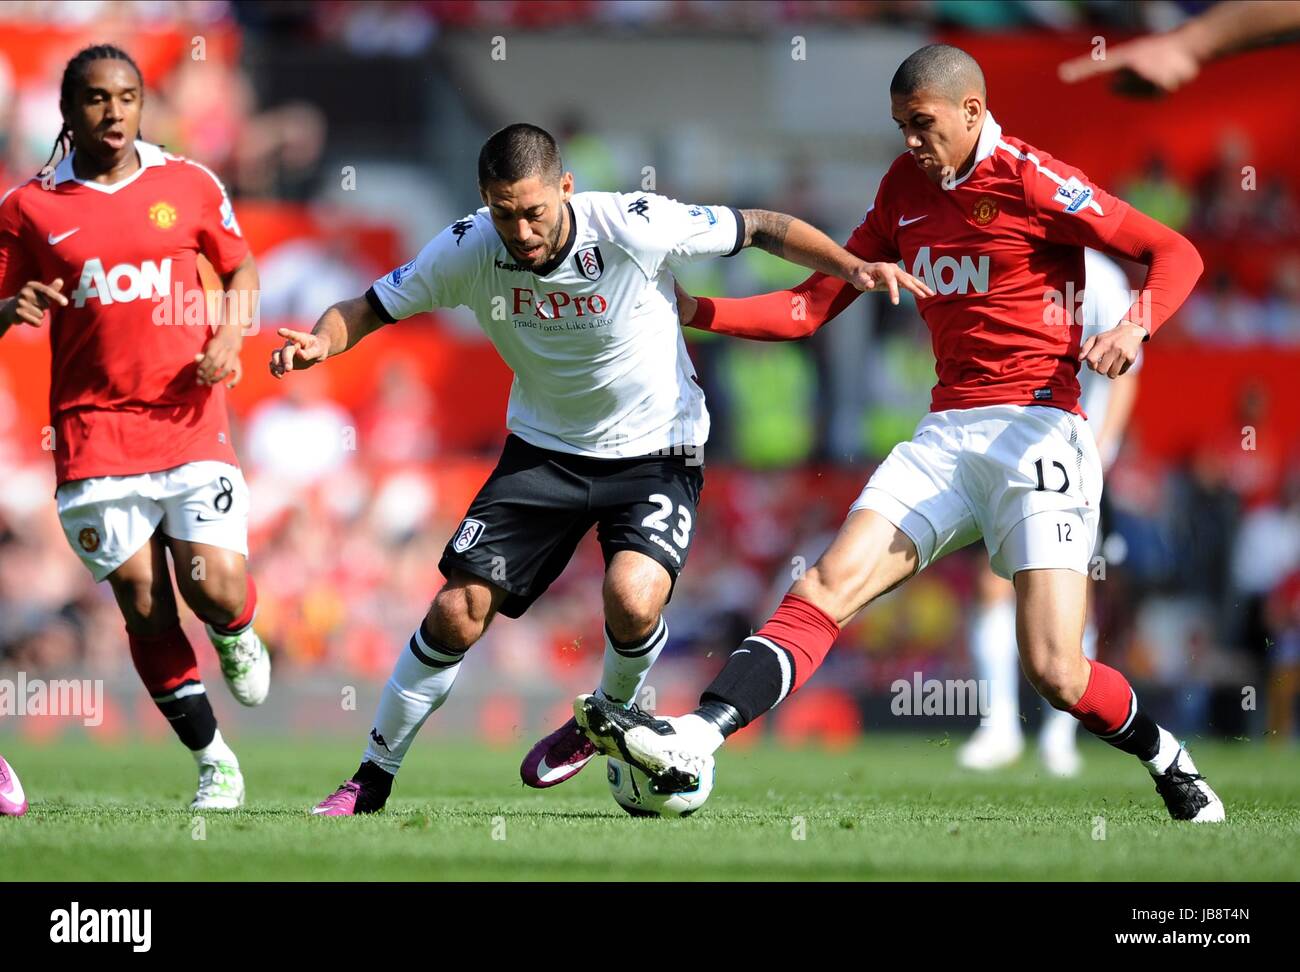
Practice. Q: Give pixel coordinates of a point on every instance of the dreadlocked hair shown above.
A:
(74, 76)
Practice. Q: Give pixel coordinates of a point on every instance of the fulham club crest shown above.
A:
(468, 535)
(590, 263)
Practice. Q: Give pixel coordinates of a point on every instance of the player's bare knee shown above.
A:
(632, 619)
(634, 594)
(218, 600)
(1059, 680)
(836, 590)
(459, 614)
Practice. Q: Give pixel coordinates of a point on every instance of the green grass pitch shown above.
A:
(893, 808)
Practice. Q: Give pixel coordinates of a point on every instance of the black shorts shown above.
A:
(526, 521)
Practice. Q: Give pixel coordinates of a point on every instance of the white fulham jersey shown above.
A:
(593, 337)
(1106, 298)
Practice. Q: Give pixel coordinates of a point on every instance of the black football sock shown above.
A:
(190, 716)
(376, 785)
(754, 679)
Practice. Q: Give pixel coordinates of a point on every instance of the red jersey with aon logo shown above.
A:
(123, 392)
(1003, 249)
(995, 246)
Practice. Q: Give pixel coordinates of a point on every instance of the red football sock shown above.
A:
(164, 661)
(170, 672)
(1107, 702)
(805, 631)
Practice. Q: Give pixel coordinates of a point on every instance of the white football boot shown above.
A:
(991, 748)
(245, 664)
(674, 751)
(221, 786)
(1186, 794)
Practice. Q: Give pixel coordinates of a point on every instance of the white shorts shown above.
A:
(1026, 478)
(109, 518)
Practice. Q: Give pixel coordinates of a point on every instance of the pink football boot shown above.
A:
(13, 802)
(558, 757)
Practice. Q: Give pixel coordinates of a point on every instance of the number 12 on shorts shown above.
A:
(658, 520)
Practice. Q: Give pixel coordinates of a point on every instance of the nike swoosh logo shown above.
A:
(212, 519)
(909, 222)
(52, 239)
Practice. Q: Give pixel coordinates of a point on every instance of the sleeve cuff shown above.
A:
(740, 232)
(378, 307)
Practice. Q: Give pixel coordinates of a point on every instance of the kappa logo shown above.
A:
(590, 263)
(469, 533)
(460, 228)
(639, 207)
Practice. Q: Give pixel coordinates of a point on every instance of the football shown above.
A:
(632, 792)
(13, 803)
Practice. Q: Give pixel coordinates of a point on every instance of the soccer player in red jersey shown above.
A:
(998, 229)
(106, 244)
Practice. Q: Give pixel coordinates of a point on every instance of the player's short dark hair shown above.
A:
(74, 78)
(518, 152)
(939, 69)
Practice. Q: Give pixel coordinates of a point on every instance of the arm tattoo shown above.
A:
(766, 230)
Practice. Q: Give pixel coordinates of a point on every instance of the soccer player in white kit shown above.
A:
(606, 417)
(999, 228)
(1108, 403)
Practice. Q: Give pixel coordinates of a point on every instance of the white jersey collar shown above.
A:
(150, 155)
(990, 134)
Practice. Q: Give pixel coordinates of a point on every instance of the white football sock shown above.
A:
(1059, 727)
(626, 666)
(215, 752)
(997, 664)
(421, 681)
(700, 731)
(1169, 747)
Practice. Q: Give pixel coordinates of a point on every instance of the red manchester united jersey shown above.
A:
(123, 392)
(1002, 247)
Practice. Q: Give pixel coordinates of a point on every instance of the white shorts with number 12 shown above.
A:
(1026, 478)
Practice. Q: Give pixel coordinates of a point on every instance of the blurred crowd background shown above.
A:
(347, 135)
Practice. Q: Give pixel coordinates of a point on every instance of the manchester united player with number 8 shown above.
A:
(999, 229)
(106, 244)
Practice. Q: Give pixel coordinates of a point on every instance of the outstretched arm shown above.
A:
(784, 315)
(799, 242)
(1162, 63)
(338, 329)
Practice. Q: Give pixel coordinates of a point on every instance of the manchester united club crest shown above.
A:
(89, 539)
(590, 263)
(984, 211)
(163, 215)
